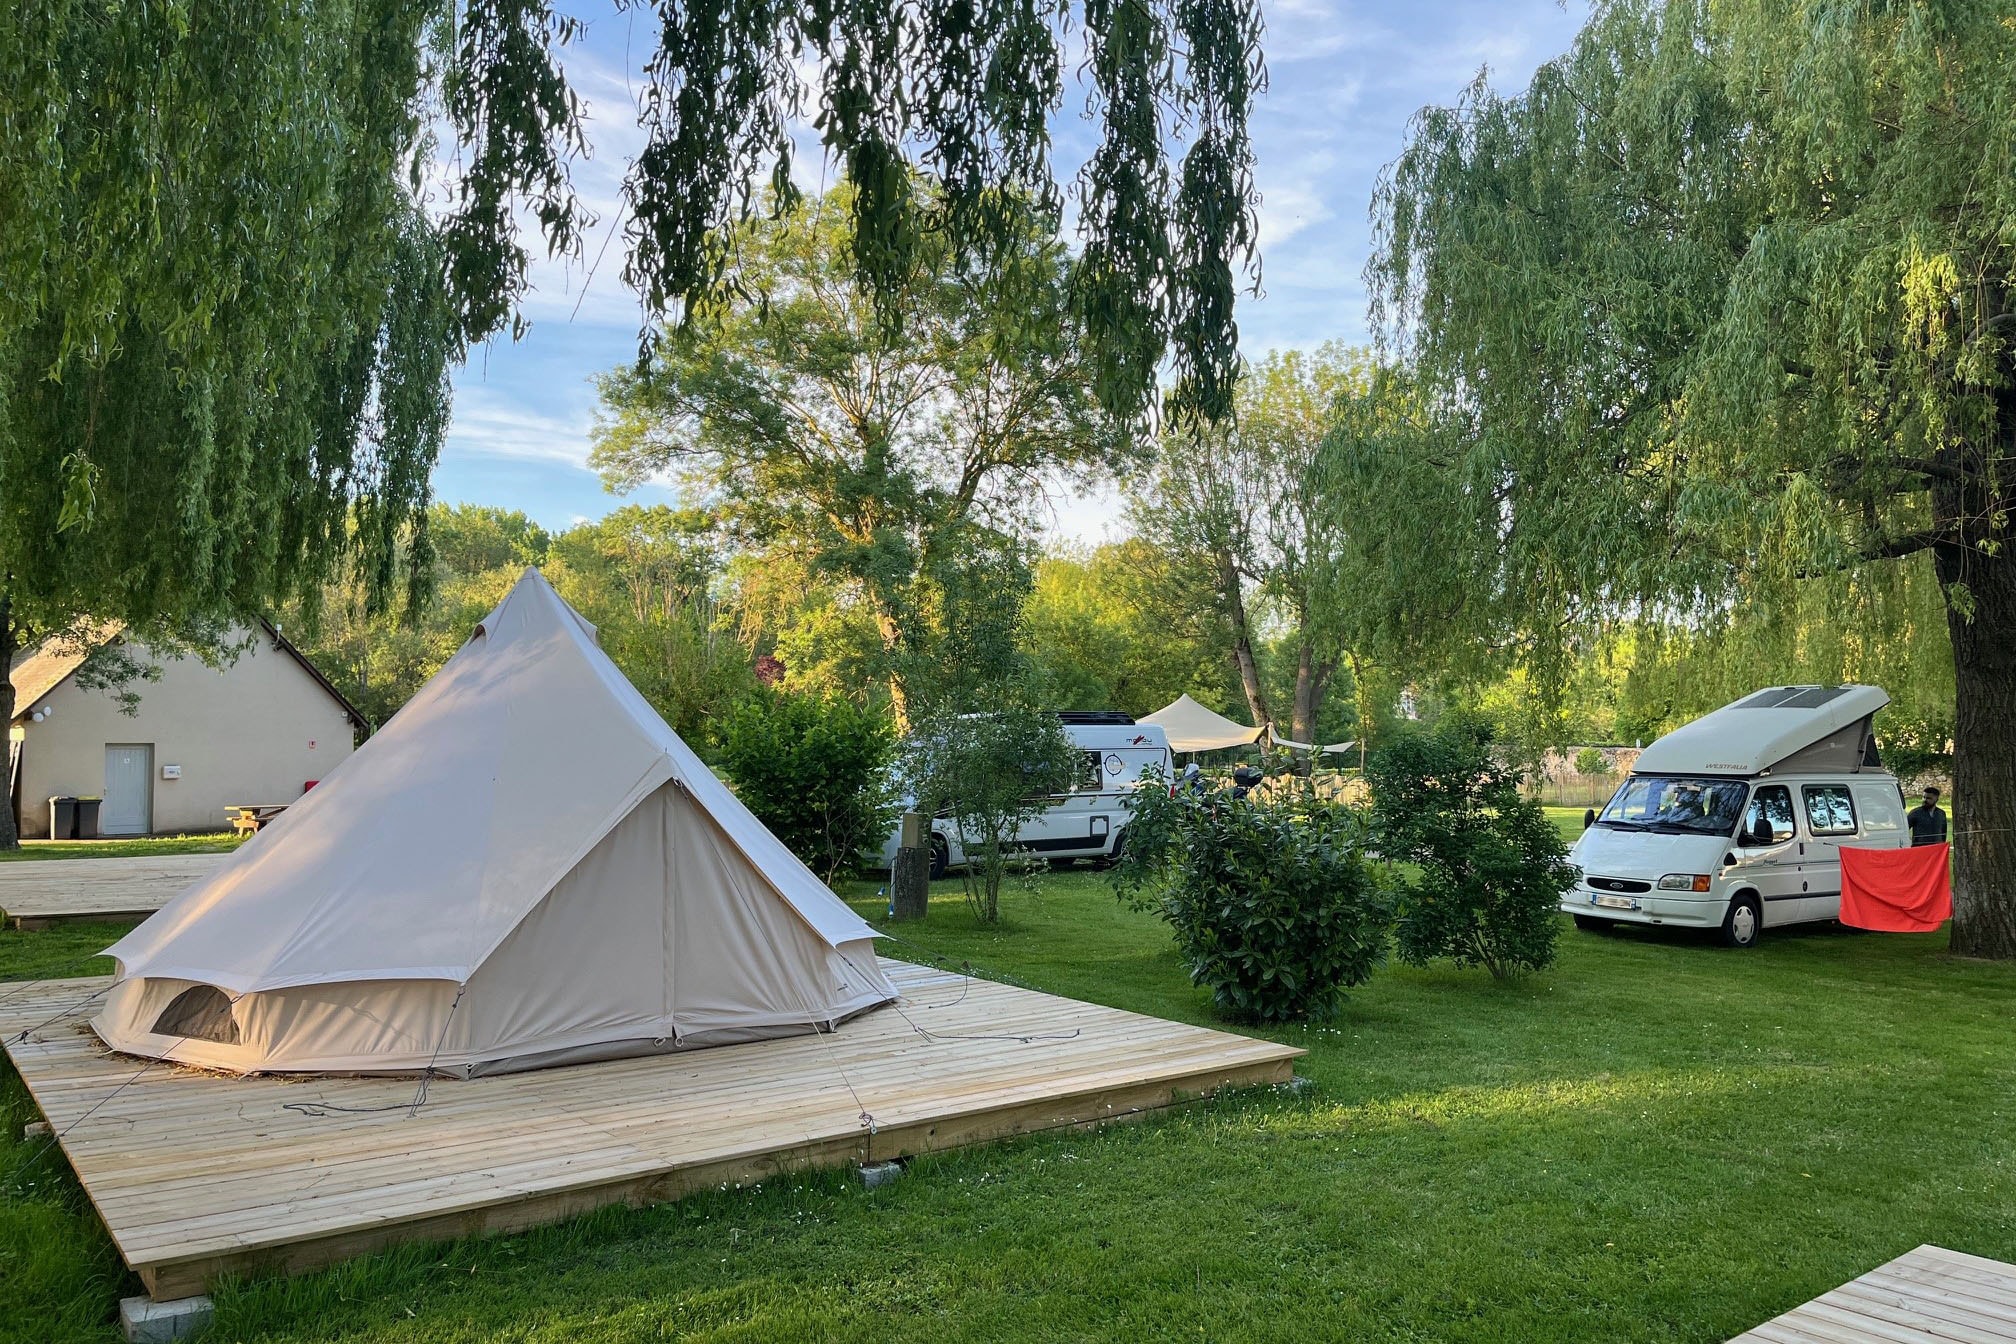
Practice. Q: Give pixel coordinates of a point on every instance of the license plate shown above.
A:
(1614, 902)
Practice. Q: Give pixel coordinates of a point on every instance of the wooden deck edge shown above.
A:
(168, 1280)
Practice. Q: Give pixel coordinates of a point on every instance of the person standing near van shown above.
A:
(1928, 823)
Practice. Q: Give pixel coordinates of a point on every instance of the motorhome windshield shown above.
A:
(1676, 805)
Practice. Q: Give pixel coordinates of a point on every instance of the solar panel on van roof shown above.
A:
(1792, 697)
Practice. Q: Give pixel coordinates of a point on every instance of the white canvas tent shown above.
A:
(1191, 727)
(525, 867)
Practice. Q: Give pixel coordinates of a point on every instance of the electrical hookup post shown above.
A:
(910, 875)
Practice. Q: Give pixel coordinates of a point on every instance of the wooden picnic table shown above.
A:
(249, 817)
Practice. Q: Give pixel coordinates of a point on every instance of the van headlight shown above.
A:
(1684, 882)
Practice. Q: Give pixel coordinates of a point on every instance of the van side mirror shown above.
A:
(1588, 818)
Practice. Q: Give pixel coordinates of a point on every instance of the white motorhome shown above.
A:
(1736, 821)
(1090, 822)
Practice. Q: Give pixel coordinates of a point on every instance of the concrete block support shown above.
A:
(145, 1321)
(877, 1174)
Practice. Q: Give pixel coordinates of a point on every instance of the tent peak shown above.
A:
(533, 588)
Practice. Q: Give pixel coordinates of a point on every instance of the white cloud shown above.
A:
(492, 424)
(1287, 210)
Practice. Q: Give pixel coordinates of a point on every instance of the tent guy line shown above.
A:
(322, 1110)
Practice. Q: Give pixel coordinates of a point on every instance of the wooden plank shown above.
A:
(37, 894)
(1926, 1296)
(197, 1175)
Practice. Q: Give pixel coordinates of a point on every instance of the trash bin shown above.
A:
(62, 818)
(87, 818)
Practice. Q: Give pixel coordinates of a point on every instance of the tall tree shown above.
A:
(1727, 293)
(1103, 638)
(1296, 401)
(875, 453)
(969, 89)
(1247, 508)
(1203, 507)
(649, 579)
(226, 319)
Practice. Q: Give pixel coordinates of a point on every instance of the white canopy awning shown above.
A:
(1334, 749)
(1191, 727)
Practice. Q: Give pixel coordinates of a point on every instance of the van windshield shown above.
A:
(1676, 805)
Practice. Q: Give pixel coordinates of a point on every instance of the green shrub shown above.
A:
(816, 772)
(1273, 905)
(1590, 761)
(1492, 867)
(989, 772)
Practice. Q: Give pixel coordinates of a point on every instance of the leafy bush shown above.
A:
(1915, 749)
(989, 773)
(1273, 904)
(815, 771)
(1590, 761)
(1492, 867)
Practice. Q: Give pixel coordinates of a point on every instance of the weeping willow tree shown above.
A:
(227, 315)
(236, 266)
(1725, 297)
(965, 90)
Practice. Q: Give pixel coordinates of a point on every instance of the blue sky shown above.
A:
(1344, 78)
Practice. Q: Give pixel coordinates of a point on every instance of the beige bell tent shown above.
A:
(1191, 727)
(525, 867)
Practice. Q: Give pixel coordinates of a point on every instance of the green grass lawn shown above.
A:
(1658, 1139)
(31, 850)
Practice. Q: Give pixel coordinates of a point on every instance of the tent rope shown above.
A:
(58, 1136)
(320, 1110)
(1028, 1038)
(26, 1032)
(865, 1116)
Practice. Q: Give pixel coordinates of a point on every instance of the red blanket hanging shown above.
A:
(1897, 890)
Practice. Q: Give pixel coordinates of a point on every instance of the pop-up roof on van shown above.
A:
(1780, 730)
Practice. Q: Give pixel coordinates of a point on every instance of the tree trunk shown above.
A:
(1312, 681)
(1361, 694)
(10, 835)
(910, 884)
(1234, 598)
(1984, 750)
(892, 647)
(1312, 684)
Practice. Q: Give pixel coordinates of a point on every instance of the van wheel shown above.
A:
(941, 857)
(1744, 922)
(1119, 845)
(1593, 924)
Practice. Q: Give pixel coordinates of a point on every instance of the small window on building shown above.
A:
(199, 1013)
(1829, 810)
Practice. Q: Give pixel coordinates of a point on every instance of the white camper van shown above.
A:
(1736, 821)
(1090, 822)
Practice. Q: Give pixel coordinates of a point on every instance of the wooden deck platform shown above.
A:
(197, 1174)
(38, 893)
(1932, 1294)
